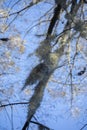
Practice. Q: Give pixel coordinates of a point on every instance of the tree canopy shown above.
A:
(43, 52)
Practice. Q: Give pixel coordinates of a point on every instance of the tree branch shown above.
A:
(83, 127)
(54, 19)
(12, 104)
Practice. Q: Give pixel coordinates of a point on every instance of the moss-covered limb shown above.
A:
(44, 49)
(36, 99)
(37, 74)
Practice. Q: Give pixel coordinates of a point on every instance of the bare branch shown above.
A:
(13, 104)
(83, 127)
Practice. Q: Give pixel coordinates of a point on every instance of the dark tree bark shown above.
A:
(4, 39)
(54, 19)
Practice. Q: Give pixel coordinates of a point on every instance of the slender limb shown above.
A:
(54, 19)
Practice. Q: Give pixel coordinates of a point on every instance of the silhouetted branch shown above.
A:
(85, 1)
(83, 127)
(54, 19)
(26, 7)
(18, 12)
(4, 39)
(12, 104)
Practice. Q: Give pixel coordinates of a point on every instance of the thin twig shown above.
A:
(18, 12)
(37, 123)
(12, 104)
